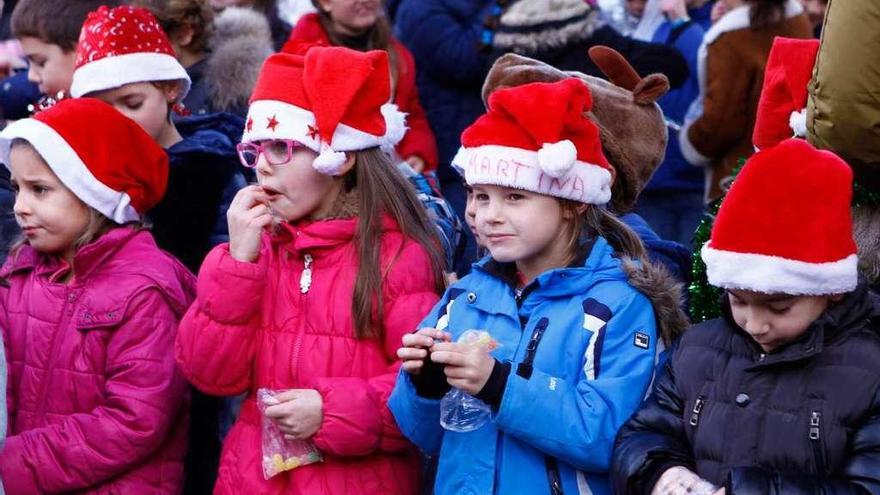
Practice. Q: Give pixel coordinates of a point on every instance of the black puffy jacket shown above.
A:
(804, 419)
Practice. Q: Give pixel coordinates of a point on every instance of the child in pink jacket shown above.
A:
(89, 307)
(331, 260)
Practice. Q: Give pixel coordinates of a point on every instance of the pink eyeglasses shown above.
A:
(276, 151)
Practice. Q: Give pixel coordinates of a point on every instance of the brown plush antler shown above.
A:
(645, 91)
(615, 67)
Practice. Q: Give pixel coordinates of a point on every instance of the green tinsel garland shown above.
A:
(704, 298)
(863, 197)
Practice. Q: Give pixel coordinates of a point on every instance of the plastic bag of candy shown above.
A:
(460, 411)
(280, 454)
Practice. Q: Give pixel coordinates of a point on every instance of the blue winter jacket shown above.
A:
(581, 343)
(443, 36)
(676, 173)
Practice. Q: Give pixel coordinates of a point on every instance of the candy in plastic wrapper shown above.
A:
(460, 411)
(280, 454)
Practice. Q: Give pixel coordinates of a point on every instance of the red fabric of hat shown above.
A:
(781, 108)
(785, 226)
(536, 137)
(332, 100)
(120, 46)
(106, 159)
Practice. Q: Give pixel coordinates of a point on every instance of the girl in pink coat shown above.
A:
(89, 307)
(331, 260)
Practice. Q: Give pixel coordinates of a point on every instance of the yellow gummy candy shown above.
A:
(278, 462)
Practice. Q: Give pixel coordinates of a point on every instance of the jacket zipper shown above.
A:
(525, 367)
(553, 475)
(67, 313)
(305, 283)
(305, 280)
(815, 441)
(695, 412)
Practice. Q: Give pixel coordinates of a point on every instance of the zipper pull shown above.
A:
(305, 280)
(815, 422)
(698, 408)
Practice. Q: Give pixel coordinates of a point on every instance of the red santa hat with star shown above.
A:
(535, 137)
(785, 225)
(124, 45)
(782, 111)
(113, 165)
(331, 100)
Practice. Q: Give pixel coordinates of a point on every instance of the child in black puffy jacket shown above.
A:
(782, 393)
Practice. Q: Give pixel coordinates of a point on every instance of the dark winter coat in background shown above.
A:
(443, 36)
(223, 81)
(560, 32)
(802, 420)
(676, 173)
(204, 176)
(9, 230)
(419, 139)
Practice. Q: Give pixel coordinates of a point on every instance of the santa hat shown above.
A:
(106, 159)
(785, 226)
(782, 109)
(124, 45)
(535, 137)
(331, 100)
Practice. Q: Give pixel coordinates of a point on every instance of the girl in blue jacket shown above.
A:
(577, 339)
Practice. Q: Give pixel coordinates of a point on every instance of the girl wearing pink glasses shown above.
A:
(331, 260)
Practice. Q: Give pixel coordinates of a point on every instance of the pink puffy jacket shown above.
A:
(252, 326)
(97, 404)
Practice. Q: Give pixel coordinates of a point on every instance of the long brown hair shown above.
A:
(378, 38)
(383, 190)
(598, 221)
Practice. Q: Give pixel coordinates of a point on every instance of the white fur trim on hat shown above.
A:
(70, 169)
(521, 169)
(395, 126)
(776, 275)
(798, 123)
(297, 123)
(116, 71)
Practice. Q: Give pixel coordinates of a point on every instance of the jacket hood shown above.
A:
(601, 265)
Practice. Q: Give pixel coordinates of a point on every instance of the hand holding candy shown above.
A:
(247, 216)
(468, 366)
(416, 347)
(299, 414)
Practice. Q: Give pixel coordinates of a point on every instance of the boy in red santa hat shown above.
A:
(752, 402)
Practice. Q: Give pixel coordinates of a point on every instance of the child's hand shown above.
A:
(416, 347)
(679, 480)
(247, 216)
(300, 413)
(467, 368)
(674, 9)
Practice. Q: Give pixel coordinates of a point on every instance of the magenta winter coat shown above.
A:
(97, 404)
(252, 327)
